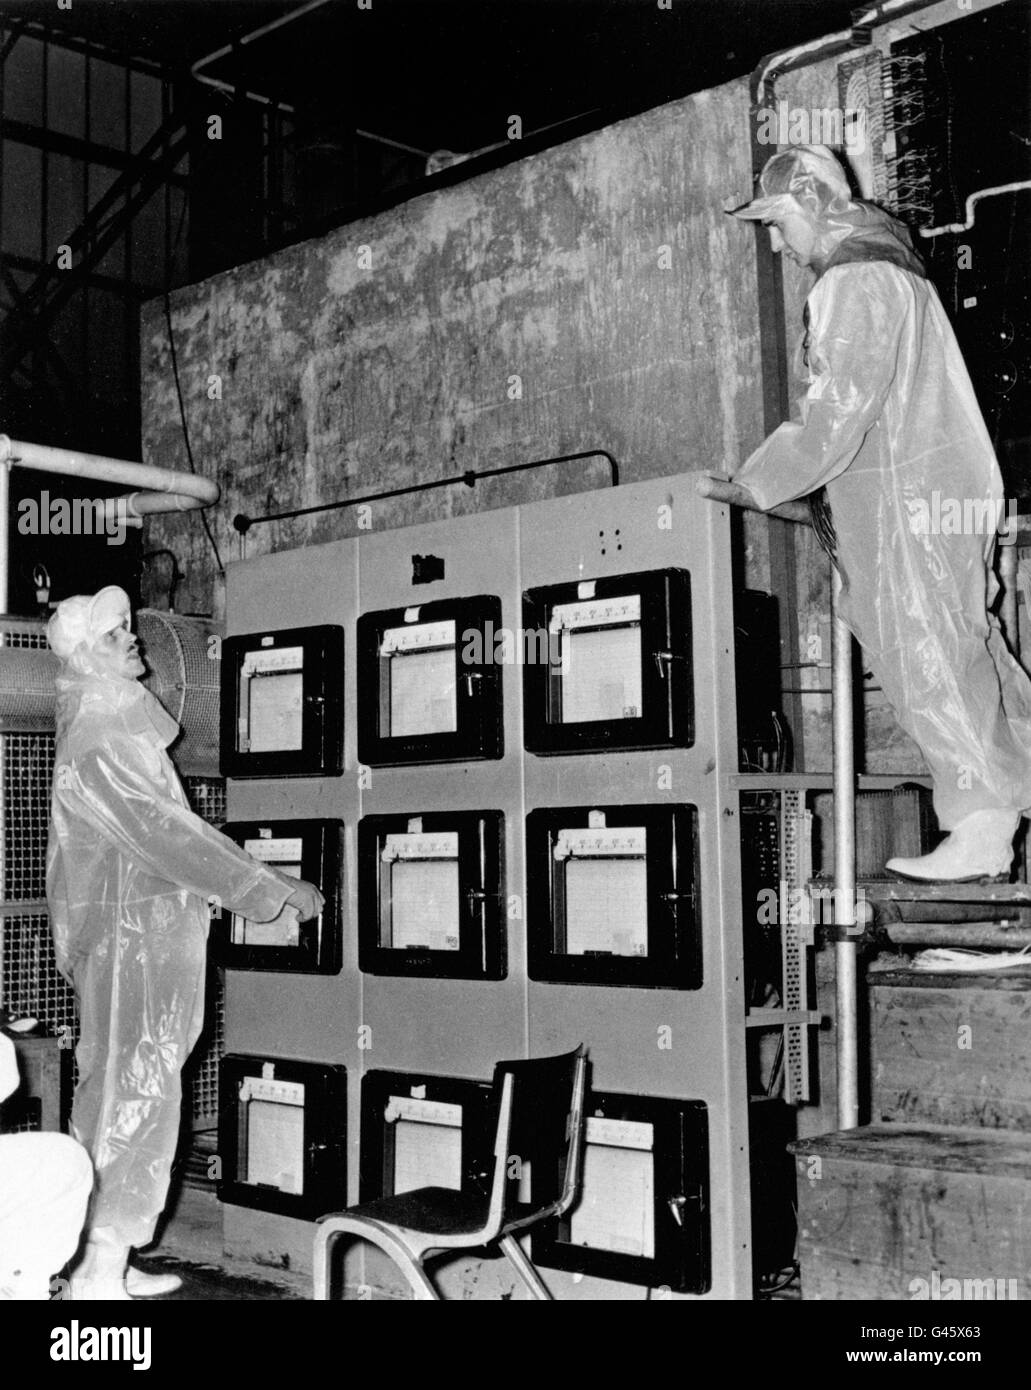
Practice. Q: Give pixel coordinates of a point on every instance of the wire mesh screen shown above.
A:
(183, 656)
(28, 765)
(207, 796)
(32, 984)
(24, 632)
(200, 1076)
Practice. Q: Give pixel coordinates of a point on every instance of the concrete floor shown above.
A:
(210, 1282)
(190, 1244)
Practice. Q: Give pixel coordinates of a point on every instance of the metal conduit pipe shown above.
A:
(196, 70)
(846, 947)
(165, 490)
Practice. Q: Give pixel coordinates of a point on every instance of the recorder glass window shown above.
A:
(271, 1128)
(605, 890)
(617, 1211)
(272, 693)
(302, 849)
(598, 675)
(421, 901)
(284, 930)
(427, 1143)
(418, 680)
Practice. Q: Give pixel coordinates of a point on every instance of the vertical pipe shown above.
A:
(845, 951)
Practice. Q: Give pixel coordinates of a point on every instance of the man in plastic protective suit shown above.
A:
(131, 876)
(890, 419)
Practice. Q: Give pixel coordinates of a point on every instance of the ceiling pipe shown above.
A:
(165, 490)
(259, 33)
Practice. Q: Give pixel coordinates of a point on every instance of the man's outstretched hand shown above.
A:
(307, 899)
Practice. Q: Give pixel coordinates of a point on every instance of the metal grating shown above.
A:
(32, 985)
(24, 632)
(200, 1078)
(207, 796)
(27, 770)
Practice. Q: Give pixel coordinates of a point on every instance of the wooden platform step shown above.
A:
(901, 1212)
(951, 1049)
(896, 891)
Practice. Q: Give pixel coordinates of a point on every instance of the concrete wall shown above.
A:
(602, 274)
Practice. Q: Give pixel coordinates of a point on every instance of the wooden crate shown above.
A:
(892, 1212)
(951, 1049)
(41, 1064)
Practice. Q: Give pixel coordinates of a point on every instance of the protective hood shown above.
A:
(810, 181)
(121, 705)
(863, 232)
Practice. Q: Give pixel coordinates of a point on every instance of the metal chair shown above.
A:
(540, 1109)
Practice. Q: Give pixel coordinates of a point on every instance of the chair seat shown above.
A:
(428, 1210)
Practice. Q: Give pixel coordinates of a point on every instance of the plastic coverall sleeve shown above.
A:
(855, 330)
(113, 791)
(45, 1183)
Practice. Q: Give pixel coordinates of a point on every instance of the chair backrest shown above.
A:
(538, 1146)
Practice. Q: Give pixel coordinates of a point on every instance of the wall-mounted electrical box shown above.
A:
(431, 895)
(612, 896)
(612, 664)
(424, 1131)
(643, 1213)
(282, 1135)
(307, 849)
(429, 689)
(282, 703)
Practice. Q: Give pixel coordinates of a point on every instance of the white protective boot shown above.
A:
(140, 1284)
(99, 1277)
(980, 847)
